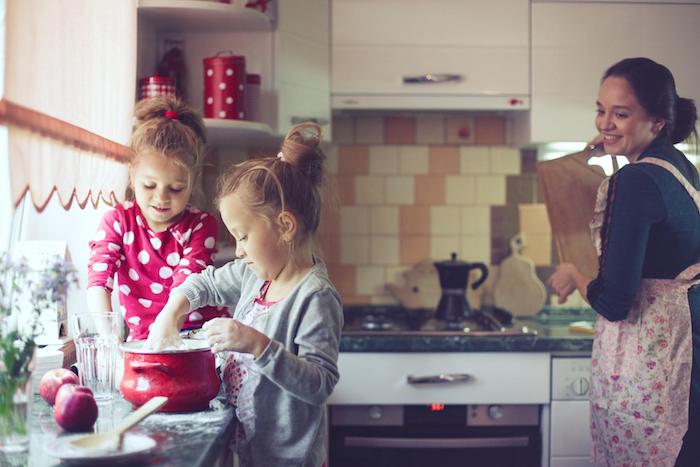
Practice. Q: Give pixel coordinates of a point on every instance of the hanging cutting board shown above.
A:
(517, 288)
(569, 185)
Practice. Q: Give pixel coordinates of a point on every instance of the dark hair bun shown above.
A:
(686, 116)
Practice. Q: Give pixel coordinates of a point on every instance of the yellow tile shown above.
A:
(413, 160)
(354, 220)
(474, 160)
(475, 248)
(399, 190)
(491, 190)
(383, 160)
(444, 220)
(370, 280)
(460, 189)
(534, 219)
(475, 220)
(384, 249)
(442, 246)
(538, 247)
(504, 160)
(384, 220)
(354, 249)
(369, 189)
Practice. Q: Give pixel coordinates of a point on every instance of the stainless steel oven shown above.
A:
(435, 435)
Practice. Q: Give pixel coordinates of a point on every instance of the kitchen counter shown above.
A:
(183, 439)
(549, 333)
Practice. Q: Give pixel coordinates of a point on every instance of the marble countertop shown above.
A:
(549, 332)
(182, 439)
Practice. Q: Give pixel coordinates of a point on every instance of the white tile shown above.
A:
(413, 160)
(354, 249)
(370, 280)
(383, 160)
(504, 160)
(343, 130)
(474, 160)
(384, 220)
(442, 246)
(385, 299)
(369, 189)
(460, 189)
(430, 130)
(354, 219)
(491, 190)
(369, 130)
(475, 248)
(444, 220)
(476, 220)
(384, 250)
(400, 190)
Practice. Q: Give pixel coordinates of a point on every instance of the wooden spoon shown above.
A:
(111, 440)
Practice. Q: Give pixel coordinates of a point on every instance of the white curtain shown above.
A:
(70, 75)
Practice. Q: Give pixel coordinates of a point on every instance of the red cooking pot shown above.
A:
(187, 377)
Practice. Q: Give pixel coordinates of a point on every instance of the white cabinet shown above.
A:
(489, 378)
(573, 43)
(480, 48)
(291, 56)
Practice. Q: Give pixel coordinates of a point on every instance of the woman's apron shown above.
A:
(640, 382)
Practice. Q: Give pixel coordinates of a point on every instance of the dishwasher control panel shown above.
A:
(571, 378)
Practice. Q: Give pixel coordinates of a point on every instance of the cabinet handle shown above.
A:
(440, 379)
(433, 443)
(429, 78)
(319, 121)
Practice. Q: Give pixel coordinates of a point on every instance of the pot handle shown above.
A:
(145, 366)
(484, 274)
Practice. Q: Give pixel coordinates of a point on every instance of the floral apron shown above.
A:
(640, 382)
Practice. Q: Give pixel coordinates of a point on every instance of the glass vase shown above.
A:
(15, 400)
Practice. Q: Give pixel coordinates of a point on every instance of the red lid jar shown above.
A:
(224, 87)
(153, 86)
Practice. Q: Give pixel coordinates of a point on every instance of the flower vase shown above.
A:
(15, 402)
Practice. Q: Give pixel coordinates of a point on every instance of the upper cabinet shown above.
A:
(289, 50)
(573, 43)
(413, 54)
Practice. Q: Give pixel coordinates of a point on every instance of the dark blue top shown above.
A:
(653, 231)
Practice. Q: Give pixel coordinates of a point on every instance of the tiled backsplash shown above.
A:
(411, 189)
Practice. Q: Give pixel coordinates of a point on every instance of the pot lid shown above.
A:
(189, 345)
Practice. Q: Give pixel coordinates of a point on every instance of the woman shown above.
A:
(645, 396)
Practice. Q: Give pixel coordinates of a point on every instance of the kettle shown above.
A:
(454, 276)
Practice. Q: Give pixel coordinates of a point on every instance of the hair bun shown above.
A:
(301, 149)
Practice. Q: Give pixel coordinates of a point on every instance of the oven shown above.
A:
(435, 434)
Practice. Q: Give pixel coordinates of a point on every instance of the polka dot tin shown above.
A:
(224, 86)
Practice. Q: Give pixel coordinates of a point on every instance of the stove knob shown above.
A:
(580, 386)
(375, 412)
(495, 412)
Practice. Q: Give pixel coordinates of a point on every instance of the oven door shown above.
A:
(435, 435)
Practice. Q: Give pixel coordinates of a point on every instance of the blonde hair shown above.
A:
(290, 181)
(167, 126)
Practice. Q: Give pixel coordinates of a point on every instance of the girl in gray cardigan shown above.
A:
(281, 346)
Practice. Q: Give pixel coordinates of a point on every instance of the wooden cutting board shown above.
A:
(517, 288)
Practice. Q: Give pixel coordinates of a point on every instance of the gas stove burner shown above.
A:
(376, 323)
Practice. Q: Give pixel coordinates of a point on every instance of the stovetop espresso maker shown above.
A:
(454, 277)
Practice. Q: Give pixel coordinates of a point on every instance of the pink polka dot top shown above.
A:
(148, 264)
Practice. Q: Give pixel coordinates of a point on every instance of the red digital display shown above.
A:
(435, 407)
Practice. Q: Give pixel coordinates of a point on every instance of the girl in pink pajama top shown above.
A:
(152, 243)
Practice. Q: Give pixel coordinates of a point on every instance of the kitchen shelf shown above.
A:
(238, 133)
(202, 16)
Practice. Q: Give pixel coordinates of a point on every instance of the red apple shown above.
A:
(53, 380)
(75, 409)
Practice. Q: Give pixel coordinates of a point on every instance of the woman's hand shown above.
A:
(229, 334)
(566, 279)
(165, 330)
(596, 142)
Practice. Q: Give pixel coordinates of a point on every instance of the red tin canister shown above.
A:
(224, 87)
(152, 86)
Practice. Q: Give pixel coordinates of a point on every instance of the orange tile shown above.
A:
(344, 186)
(443, 160)
(430, 190)
(343, 277)
(330, 248)
(414, 220)
(351, 299)
(353, 160)
(330, 219)
(490, 130)
(399, 130)
(413, 249)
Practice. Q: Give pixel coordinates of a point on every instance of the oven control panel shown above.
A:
(571, 378)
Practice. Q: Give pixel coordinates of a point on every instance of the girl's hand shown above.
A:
(165, 330)
(564, 280)
(229, 334)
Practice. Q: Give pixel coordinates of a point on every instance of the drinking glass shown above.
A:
(97, 337)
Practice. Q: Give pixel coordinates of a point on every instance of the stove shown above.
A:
(397, 320)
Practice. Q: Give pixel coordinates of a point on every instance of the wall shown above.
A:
(418, 188)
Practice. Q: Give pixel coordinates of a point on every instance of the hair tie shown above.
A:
(280, 155)
(171, 115)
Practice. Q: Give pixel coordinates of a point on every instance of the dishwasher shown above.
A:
(570, 436)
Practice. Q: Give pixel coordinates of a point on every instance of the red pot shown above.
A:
(186, 377)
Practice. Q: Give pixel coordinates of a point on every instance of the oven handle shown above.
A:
(440, 379)
(440, 443)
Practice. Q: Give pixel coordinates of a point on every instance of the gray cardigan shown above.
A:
(298, 369)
